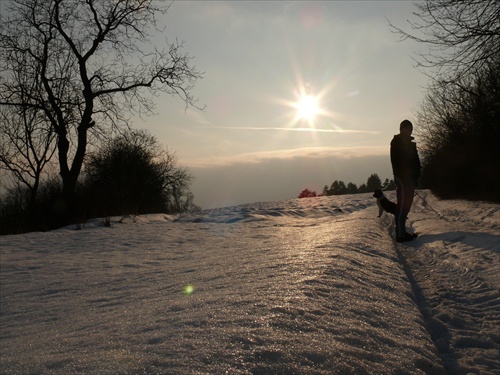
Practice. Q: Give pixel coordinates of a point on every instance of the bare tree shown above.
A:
(458, 121)
(459, 129)
(462, 35)
(26, 147)
(95, 62)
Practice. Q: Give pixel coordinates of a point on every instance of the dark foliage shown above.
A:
(460, 131)
(306, 193)
(75, 69)
(459, 120)
(338, 188)
(130, 175)
(18, 214)
(134, 175)
(373, 182)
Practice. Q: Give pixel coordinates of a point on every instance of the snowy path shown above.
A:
(455, 265)
(294, 287)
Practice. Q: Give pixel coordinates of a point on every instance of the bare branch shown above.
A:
(462, 35)
(93, 66)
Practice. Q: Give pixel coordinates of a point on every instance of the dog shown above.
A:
(383, 203)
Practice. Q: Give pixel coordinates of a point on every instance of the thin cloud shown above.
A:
(306, 152)
(310, 130)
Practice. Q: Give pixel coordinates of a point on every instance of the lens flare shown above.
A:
(189, 290)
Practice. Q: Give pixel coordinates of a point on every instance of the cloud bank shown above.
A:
(281, 175)
(315, 153)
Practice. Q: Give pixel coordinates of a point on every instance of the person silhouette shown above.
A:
(406, 169)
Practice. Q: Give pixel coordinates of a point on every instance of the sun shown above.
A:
(307, 108)
(305, 111)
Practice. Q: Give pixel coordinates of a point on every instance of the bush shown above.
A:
(133, 175)
(18, 216)
(13, 207)
(306, 193)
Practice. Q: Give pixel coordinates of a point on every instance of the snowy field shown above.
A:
(305, 286)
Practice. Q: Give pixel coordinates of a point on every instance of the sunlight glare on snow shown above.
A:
(294, 286)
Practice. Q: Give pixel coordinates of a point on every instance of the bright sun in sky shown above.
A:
(307, 108)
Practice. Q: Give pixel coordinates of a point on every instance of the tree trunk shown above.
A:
(65, 208)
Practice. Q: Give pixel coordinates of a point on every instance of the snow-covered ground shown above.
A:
(305, 286)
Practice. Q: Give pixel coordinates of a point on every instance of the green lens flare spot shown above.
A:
(188, 289)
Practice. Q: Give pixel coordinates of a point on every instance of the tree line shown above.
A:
(72, 74)
(340, 187)
(458, 122)
(129, 174)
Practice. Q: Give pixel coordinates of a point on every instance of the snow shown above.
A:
(304, 286)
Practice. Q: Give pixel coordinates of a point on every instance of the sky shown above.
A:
(254, 140)
(259, 59)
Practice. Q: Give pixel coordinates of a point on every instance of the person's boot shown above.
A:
(405, 237)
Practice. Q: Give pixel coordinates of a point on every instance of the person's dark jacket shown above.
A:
(404, 158)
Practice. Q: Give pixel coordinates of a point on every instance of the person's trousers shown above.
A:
(405, 190)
